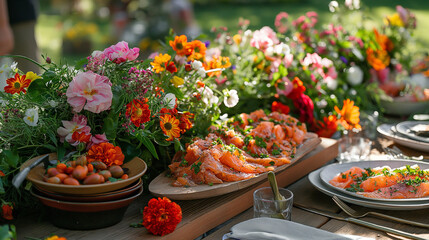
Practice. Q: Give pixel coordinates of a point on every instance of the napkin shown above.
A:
(278, 229)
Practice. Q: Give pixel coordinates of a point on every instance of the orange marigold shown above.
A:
(349, 115)
(161, 216)
(378, 59)
(179, 45)
(17, 84)
(196, 50)
(106, 153)
(6, 211)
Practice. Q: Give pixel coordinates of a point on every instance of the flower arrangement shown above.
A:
(110, 104)
(161, 216)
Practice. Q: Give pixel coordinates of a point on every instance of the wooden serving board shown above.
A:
(162, 185)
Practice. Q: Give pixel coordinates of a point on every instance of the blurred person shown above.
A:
(22, 20)
(182, 18)
(6, 36)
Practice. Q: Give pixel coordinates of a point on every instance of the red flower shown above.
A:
(17, 84)
(305, 107)
(172, 112)
(6, 211)
(328, 127)
(81, 137)
(279, 107)
(106, 153)
(139, 112)
(298, 89)
(171, 67)
(185, 122)
(161, 216)
(2, 174)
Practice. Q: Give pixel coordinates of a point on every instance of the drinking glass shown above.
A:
(352, 149)
(264, 204)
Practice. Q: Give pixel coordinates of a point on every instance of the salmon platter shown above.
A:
(238, 150)
(384, 182)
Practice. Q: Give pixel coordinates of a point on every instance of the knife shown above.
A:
(359, 222)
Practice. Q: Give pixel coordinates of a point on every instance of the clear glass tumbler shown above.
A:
(264, 204)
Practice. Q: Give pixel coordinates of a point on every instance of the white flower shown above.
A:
(322, 103)
(52, 103)
(170, 100)
(231, 98)
(352, 4)
(201, 72)
(196, 64)
(354, 75)
(31, 117)
(207, 96)
(333, 6)
(331, 83)
(282, 49)
(6, 72)
(96, 54)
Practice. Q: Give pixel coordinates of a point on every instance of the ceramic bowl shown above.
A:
(404, 108)
(137, 167)
(108, 196)
(86, 215)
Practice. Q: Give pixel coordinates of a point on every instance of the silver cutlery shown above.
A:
(396, 153)
(353, 213)
(359, 222)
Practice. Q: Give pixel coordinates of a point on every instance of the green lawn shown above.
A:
(50, 27)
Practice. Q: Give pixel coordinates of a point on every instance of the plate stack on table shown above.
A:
(84, 207)
(321, 177)
(412, 134)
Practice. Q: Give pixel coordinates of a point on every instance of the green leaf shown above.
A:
(11, 158)
(141, 136)
(50, 147)
(177, 146)
(130, 151)
(282, 70)
(53, 137)
(110, 127)
(61, 151)
(81, 63)
(112, 179)
(1, 188)
(159, 139)
(37, 89)
(5, 233)
(276, 76)
(175, 91)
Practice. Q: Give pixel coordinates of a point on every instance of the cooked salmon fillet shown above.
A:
(238, 149)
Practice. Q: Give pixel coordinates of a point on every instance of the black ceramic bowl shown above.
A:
(86, 215)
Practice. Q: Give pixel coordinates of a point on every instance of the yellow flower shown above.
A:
(32, 76)
(160, 62)
(225, 63)
(170, 126)
(394, 20)
(237, 39)
(177, 81)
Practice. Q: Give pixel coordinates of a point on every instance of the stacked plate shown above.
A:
(85, 207)
(321, 177)
(412, 134)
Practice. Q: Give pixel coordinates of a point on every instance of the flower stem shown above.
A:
(26, 58)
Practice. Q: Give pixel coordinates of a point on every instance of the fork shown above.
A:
(353, 213)
(396, 153)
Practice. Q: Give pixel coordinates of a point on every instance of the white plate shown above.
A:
(332, 170)
(406, 128)
(404, 108)
(316, 181)
(386, 131)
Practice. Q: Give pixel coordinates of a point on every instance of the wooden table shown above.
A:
(307, 195)
(213, 217)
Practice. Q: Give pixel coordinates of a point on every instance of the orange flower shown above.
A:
(106, 153)
(139, 112)
(170, 126)
(6, 211)
(279, 107)
(171, 67)
(161, 216)
(2, 174)
(349, 115)
(81, 137)
(55, 237)
(378, 59)
(17, 84)
(160, 62)
(328, 127)
(179, 45)
(217, 62)
(196, 50)
(185, 121)
(384, 41)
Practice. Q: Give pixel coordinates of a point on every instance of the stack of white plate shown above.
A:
(321, 177)
(406, 134)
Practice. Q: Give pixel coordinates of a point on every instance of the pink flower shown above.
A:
(78, 124)
(90, 91)
(280, 24)
(288, 60)
(95, 61)
(121, 52)
(284, 87)
(304, 105)
(264, 38)
(97, 139)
